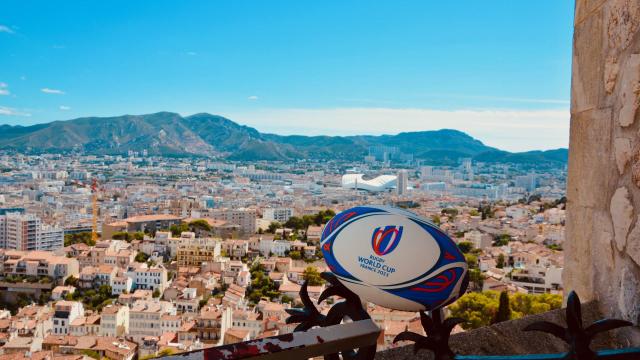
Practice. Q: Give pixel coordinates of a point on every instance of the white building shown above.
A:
(114, 320)
(358, 181)
(65, 313)
(145, 318)
(280, 214)
(148, 278)
(274, 247)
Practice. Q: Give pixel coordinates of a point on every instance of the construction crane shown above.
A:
(94, 205)
(94, 210)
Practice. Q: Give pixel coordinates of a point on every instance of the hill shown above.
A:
(203, 134)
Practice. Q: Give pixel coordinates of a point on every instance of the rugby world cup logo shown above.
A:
(384, 241)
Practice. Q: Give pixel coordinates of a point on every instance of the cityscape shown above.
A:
(175, 254)
(230, 180)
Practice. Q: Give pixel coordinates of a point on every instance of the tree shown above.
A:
(472, 261)
(200, 224)
(501, 240)
(465, 246)
(71, 281)
(436, 219)
(273, 227)
(481, 308)
(178, 229)
(83, 237)
(286, 299)
(156, 293)
(474, 212)
(477, 309)
(295, 255)
(312, 276)
(450, 212)
(500, 262)
(295, 223)
(476, 277)
(323, 217)
(504, 310)
(141, 257)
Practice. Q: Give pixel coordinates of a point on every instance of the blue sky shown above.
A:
(499, 70)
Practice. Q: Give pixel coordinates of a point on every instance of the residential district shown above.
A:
(136, 256)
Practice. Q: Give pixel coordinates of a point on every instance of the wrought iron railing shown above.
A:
(329, 336)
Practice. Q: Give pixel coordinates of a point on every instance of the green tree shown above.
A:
(504, 310)
(71, 281)
(200, 224)
(273, 227)
(295, 255)
(476, 277)
(476, 309)
(500, 263)
(501, 240)
(312, 276)
(178, 229)
(83, 237)
(450, 212)
(141, 257)
(156, 293)
(295, 223)
(436, 219)
(465, 246)
(323, 217)
(472, 261)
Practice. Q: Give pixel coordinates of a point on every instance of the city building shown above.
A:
(21, 231)
(377, 184)
(279, 214)
(402, 182)
(194, 251)
(65, 313)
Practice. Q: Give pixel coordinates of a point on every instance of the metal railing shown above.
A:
(327, 335)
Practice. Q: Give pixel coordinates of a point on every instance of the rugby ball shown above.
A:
(394, 258)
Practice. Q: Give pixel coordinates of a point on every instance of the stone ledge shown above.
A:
(507, 338)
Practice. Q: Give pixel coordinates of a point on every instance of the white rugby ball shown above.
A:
(394, 258)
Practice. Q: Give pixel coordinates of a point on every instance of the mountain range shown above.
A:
(207, 135)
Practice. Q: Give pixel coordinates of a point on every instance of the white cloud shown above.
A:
(64, 107)
(52, 91)
(6, 29)
(3, 89)
(192, 53)
(513, 130)
(7, 111)
(252, 98)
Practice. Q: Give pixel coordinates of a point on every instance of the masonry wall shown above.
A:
(602, 251)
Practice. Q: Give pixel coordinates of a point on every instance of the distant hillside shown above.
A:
(170, 134)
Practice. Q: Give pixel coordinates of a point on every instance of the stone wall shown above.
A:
(602, 251)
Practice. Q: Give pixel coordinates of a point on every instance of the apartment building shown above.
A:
(37, 263)
(145, 318)
(114, 320)
(194, 251)
(20, 231)
(279, 214)
(244, 218)
(65, 313)
(212, 323)
(147, 278)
